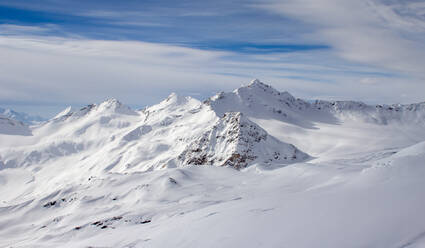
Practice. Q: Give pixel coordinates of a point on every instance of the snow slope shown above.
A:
(10, 126)
(335, 129)
(236, 141)
(112, 137)
(250, 168)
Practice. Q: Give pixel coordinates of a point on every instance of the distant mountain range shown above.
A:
(22, 117)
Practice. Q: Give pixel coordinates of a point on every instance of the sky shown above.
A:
(56, 53)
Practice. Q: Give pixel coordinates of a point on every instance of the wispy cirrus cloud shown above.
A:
(368, 50)
(60, 70)
(388, 34)
(11, 29)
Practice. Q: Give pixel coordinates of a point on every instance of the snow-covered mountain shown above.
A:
(263, 101)
(254, 168)
(10, 126)
(178, 131)
(236, 141)
(22, 117)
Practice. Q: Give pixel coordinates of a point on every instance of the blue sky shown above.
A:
(63, 53)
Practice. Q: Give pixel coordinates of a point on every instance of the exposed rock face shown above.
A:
(237, 142)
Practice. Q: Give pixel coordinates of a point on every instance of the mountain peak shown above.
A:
(175, 101)
(256, 87)
(256, 98)
(66, 112)
(112, 105)
(174, 98)
(111, 100)
(238, 142)
(258, 83)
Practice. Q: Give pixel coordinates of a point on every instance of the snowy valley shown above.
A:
(255, 167)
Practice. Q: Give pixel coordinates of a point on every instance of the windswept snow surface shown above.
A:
(250, 168)
(10, 126)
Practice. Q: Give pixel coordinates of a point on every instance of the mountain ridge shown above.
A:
(184, 121)
(109, 176)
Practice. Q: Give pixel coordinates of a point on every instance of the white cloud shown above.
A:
(46, 69)
(389, 35)
(86, 70)
(12, 29)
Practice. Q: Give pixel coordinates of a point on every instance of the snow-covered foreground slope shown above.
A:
(321, 174)
(297, 206)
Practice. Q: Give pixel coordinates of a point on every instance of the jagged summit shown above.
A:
(245, 98)
(255, 81)
(237, 142)
(174, 102)
(65, 112)
(111, 102)
(115, 106)
(258, 83)
(108, 107)
(258, 87)
(259, 100)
